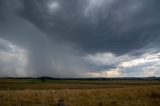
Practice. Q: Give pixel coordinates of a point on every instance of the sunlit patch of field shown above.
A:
(84, 93)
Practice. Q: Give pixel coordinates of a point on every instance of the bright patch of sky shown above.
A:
(53, 6)
(145, 65)
(13, 60)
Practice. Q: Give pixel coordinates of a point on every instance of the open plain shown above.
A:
(34, 92)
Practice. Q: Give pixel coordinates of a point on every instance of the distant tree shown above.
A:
(42, 79)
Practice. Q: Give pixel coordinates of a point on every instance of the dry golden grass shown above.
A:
(126, 96)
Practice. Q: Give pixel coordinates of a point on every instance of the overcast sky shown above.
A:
(79, 38)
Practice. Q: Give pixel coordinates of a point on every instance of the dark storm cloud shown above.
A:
(45, 57)
(38, 55)
(55, 33)
(110, 27)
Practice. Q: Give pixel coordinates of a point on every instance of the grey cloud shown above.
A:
(46, 57)
(123, 24)
(57, 41)
(12, 59)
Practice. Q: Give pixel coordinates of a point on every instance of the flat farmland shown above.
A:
(34, 92)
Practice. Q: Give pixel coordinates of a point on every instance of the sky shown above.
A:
(79, 38)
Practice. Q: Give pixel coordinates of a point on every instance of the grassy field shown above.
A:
(79, 93)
